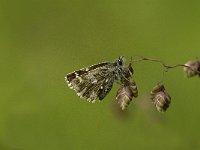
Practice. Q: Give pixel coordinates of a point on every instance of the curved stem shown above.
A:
(167, 67)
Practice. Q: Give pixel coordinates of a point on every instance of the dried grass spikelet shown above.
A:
(193, 68)
(126, 93)
(160, 98)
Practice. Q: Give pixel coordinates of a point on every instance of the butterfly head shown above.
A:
(126, 69)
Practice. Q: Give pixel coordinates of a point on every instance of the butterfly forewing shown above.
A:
(96, 81)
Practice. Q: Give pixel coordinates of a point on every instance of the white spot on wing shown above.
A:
(94, 81)
(81, 93)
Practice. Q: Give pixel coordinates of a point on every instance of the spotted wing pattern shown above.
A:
(92, 83)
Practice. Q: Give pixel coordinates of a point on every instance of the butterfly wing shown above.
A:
(92, 83)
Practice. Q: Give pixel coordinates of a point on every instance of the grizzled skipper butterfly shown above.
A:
(96, 81)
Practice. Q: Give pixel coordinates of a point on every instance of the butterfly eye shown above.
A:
(120, 62)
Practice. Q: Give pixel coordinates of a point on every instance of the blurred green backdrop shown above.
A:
(43, 40)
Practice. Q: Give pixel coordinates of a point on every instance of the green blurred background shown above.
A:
(43, 40)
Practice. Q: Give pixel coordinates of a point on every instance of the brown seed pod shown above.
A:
(193, 68)
(124, 97)
(126, 93)
(128, 72)
(133, 88)
(160, 98)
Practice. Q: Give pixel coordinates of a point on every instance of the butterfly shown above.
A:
(95, 82)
